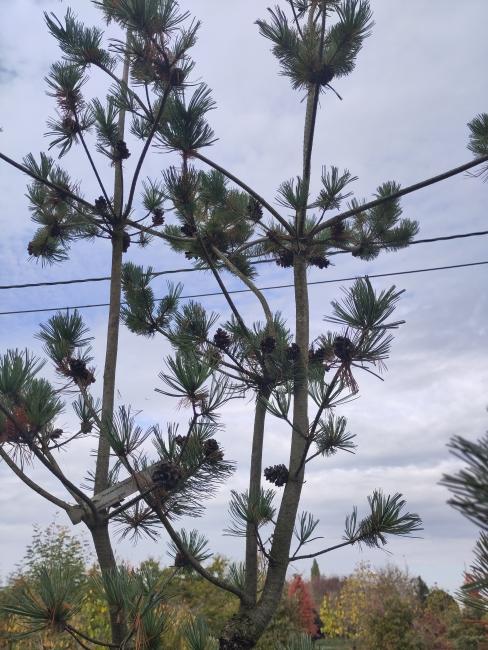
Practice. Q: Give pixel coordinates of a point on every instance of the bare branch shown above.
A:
(326, 550)
(406, 190)
(250, 285)
(31, 484)
(147, 144)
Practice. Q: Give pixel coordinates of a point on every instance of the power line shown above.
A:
(105, 278)
(275, 286)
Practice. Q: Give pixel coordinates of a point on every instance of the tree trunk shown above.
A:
(100, 533)
(103, 455)
(251, 584)
(106, 560)
(245, 628)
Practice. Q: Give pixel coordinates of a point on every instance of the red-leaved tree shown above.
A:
(300, 591)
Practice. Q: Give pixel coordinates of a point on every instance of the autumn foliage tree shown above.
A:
(299, 591)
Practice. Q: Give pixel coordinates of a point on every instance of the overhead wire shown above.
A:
(105, 278)
(268, 288)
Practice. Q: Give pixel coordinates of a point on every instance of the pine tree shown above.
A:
(222, 225)
(469, 487)
(152, 55)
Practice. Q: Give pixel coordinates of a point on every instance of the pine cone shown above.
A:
(101, 205)
(158, 217)
(57, 196)
(323, 76)
(268, 345)
(56, 434)
(359, 250)
(277, 474)
(213, 357)
(180, 561)
(222, 339)
(254, 210)
(31, 250)
(79, 372)
(177, 77)
(210, 446)
(70, 125)
(10, 432)
(86, 427)
(167, 475)
(320, 261)
(120, 151)
(293, 352)
(212, 450)
(343, 349)
(181, 440)
(285, 259)
(188, 229)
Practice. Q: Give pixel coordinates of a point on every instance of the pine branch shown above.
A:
(78, 641)
(85, 637)
(295, 17)
(44, 181)
(116, 511)
(250, 285)
(310, 437)
(248, 189)
(326, 550)
(124, 86)
(79, 495)
(155, 233)
(146, 147)
(196, 565)
(93, 166)
(222, 286)
(31, 484)
(406, 190)
(175, 538)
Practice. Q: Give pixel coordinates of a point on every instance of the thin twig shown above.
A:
(326, 550)
(104, 644)
(147, 144)
(297, 22)
(93, 166)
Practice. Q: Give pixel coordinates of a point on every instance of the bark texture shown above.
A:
(251, 585)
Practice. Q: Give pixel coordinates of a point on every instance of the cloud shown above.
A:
(403, 117)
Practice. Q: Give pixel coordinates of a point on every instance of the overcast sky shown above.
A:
(420, 78)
